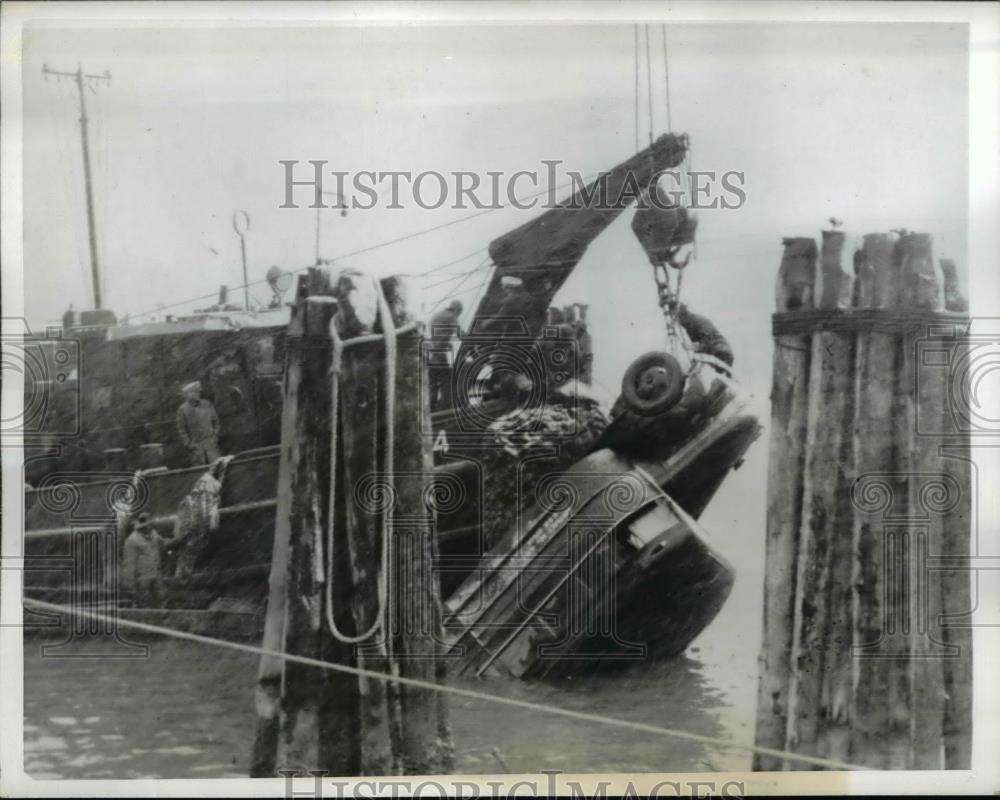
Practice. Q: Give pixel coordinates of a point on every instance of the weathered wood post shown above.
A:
(820, 651)
(352, 457)
(289, 695)
(789, 395)
(876, 405)
(858, 664)
(417, 635)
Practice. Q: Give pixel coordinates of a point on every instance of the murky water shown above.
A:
(187, 711)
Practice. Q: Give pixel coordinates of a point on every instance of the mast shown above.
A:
(79, 77)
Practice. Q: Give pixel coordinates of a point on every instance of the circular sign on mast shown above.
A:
(241, 223)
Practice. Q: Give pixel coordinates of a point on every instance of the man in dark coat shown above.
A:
(703, 334)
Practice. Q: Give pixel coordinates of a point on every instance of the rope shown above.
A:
(471, 694)
(666, 74)
(389, 335)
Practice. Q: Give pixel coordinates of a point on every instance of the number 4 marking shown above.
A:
(441, 442)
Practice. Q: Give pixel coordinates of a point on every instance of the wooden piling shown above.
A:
(819, 687)
(425, 738)
(956, 604)
(290, 695)
(953, 298)
(310, 718)
(916, 729)
(367, 493)
(876, 404)
(866, 671)
(953, 628)
(789, 394)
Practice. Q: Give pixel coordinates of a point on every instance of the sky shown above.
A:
(865, 122)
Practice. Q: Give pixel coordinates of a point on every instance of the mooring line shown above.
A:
(446, 689)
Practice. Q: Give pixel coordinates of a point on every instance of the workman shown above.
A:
(140, 573)
(704, 336)
(198, 426)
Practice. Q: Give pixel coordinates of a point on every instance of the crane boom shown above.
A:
(544, 251)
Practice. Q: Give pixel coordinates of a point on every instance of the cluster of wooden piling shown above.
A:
(311, 718)
(866, 653)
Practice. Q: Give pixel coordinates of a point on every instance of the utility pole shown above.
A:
(79, 76)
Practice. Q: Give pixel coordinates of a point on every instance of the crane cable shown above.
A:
(666, 74)
(636, 50)
(649, 80)
(649, 86)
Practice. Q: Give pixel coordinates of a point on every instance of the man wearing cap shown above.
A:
(140, 573)
(198, 426)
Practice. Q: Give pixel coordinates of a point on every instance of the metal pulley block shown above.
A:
(663, 228)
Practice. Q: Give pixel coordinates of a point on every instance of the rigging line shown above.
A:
(450, 263)
(454, 277)
(444, 688)
(466, 218)
(480, 292)
(636, 86)
(649, 85)
(451, 294)
(666, 74)
(330, 261)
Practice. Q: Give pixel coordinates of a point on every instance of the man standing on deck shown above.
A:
(141, 564)
(445, 327)
(198, 426)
